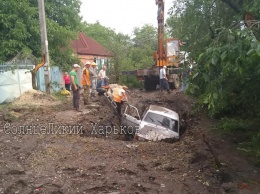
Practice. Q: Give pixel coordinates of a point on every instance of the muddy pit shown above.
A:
(100, 163)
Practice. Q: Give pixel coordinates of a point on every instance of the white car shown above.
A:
(157, 123)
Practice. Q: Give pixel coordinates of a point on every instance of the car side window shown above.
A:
(174, 126)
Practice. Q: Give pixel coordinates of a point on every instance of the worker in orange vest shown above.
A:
(85, 81)
(119, 95)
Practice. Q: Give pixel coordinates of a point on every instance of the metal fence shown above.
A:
(14, 80)
(56, 82)
(17, 79)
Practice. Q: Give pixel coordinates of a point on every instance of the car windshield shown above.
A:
(163, 121)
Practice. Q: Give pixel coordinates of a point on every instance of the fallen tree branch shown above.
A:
(211, 150)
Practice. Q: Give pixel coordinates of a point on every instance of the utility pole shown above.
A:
(44, 43)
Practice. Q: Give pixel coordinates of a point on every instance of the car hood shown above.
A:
(153, 133)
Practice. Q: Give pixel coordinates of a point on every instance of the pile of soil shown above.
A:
(35, 98)
(176, 101)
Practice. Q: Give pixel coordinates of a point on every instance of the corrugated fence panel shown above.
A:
(19, 80)
(55, 79)
(25, 80)
(9, 86)
(13, 83)
(40, 79)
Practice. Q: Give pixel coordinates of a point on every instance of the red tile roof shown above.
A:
(85, 45)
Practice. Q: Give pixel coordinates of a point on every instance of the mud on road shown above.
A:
(98, 163)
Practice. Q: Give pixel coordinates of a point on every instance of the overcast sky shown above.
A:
(122, 15)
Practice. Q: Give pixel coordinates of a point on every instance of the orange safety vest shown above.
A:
(85, 72)
(117, 96)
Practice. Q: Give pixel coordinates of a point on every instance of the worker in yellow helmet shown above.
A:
(119, 95)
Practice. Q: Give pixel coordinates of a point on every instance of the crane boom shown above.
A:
(160, 54)
(167, 54)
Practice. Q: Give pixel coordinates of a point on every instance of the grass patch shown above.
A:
(132, 81)
(4, 105)
(60, 96)
(247, 131)
(234, 125)
(252, 147)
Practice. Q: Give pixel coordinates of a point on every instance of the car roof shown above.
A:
(164, 111)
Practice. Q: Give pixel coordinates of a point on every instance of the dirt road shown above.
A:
(88, 162)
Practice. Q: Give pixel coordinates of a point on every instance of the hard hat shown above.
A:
(76, 65)
(87, 63)
(93, 64)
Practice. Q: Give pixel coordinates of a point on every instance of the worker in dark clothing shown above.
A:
(102, 85)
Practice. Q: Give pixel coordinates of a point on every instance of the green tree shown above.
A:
(119, 45)
(225, 51)
(116, 43)
(226, 75)
(129, 54)
(144, 45)
(98, 32)
(19, 28)
(198, 22)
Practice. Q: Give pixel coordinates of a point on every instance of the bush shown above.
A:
(252, 147)
(249, 129)
(226, 78)
(233, 125)
(132, 82)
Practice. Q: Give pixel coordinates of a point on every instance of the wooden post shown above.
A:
(44, 43)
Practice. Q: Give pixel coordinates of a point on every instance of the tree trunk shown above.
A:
(34, 72)
(34, 85)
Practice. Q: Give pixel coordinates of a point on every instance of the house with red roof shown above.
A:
(88, 49)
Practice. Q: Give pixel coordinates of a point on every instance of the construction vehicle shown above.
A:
(167, 54)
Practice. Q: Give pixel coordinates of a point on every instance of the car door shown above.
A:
(130, 120)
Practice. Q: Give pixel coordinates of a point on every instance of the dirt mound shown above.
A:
(35, 98)
(176, 101)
